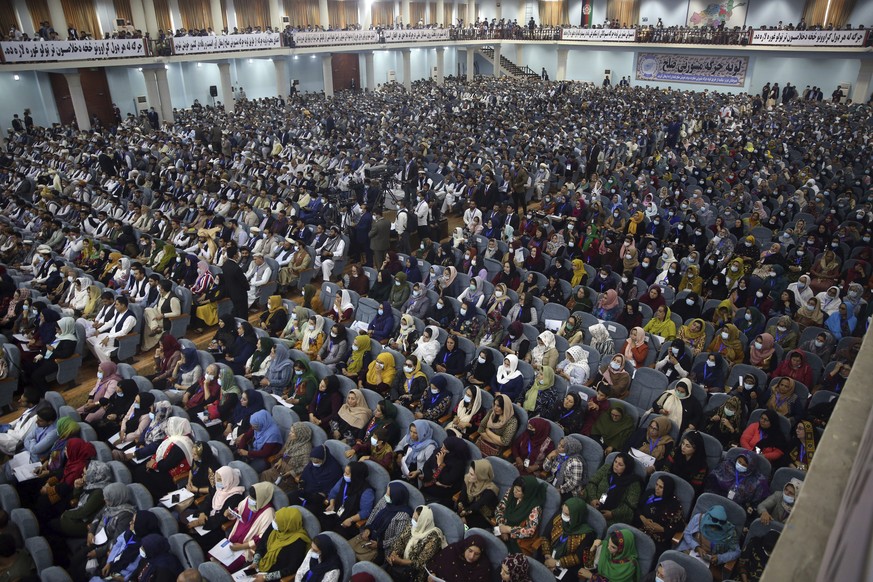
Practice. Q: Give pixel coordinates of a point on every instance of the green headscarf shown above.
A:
(530, 397)
(297, 324)
(356, 360)
(613, 434)
(265, 346)
(533, 495)
(575, 527)
(228, 383)
(590, 238)
(169, 255)
(67, 427)
(623, 565)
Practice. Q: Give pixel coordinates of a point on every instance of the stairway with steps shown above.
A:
(508, 66)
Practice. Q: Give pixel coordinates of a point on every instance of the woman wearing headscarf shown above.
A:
(296, 326)
(515, 343)
(359, 358)
(382, 286)
(136, 420)
(613, 428)
(381, 327)
(167, 356)
(468, 413)
(829, 301)
(680, 406)
(519, 512)
(326, 403)
(441, 313)
(419, 447)
(334, 352)
(428, 345)
(545, 353)
(45, 362)
(492, 333)
(380, 374)
(601, 340)
(115, 407)
(313, 337)
(778, 506)
(508, 380)
(463, 561)
(158, 562)
(171, 462)
(727, 344)
(693, 334)
(320, 474)
(275, 318)
(205, 303)
(279, 373)
(564, 468)
(404, 341)
(574, 368)
(400, 291)
(765, 436)
(810, 314)
(579, 301)
(255, 513)
(244, 345)
(727, 423)
(712, 537)
(739, 480)
(124, 559)
(211, 511)
(662, 324)
(88, 496)
(783, 333)
(389, 518)
(203, 393)
(282, 549)
(500, 302)
(524, 311)
(261, 441)
(614, 490)
(636, 348)
(751, 323)
(540, 398)
(107, 382)
(657, 443)
(415, 547)
(349, 501)
(451, 359)
(481, 370)
(795, 367)
(442, 476)
(292, 458)
(802, 447)
(435, 404)
(825, 272)
(571, 330)
(384, 417)
(660, 514)
(842, 323)
(498, 428)
(614, 375)
(607, 307)
(756, 554)
(801, 291)
(688, 460)
(58, 490)
(342, 310)
(568, 537)
(478, 496)
(654, 298)
(352, 419)
(113, 519)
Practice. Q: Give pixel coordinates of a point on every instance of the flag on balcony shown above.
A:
(586, 13)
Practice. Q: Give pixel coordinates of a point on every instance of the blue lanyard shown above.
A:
(446, 357)
(566, 414)
(434, 398)
(737, 481)
(705, 370)
(652, 499)
(802, 453)
(652, 446)
(611, 485)
(318, 398)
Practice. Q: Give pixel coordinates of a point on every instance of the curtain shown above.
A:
(39, 12)
(448, 16)
(196, 14)
(627, 12)
(252, 13)
(81, 15)
(7, 17)
(342, 13)
(122, 10)
(302, 13)
(383, 13)
(224, 16)
(554, 13)
(162, 14)
(838, 15)
(462, 14)
(432, 11)
(416, 12)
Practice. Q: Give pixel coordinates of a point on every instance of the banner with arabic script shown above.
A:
(705, 70)
(336, 37)
(190, 45)
(71, 50)
(416, 35)
(600, 34)
(810, 37)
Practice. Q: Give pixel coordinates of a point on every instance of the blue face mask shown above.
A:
(298, 372)
(347, 478)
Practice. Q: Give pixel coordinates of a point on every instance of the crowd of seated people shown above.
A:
(631, 343)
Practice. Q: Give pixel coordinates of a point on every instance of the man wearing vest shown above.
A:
(158, 319)
(401, 227)
(103, 344)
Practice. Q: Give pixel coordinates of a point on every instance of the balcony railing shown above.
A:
(59, 51)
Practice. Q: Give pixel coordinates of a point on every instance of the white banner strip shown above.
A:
(600, 34)
(809, 37)
(335, 37)
(416, 35)
(189, 45)
(71, 50)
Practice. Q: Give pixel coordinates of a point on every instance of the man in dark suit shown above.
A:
(380, 237)
(236, 284)
(409, 177)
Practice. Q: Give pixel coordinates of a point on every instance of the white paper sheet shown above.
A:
(101, 537)
(646, 460)
(222, 552)
(183, 494)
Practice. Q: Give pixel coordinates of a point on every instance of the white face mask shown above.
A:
(781, 328)
(674, 351)
(208, 377)
(482, 359)
(740, 468)
(734, 268)
(565, 518)
(788, 499)
(725, 335)
(408, 369)
(748, 317)
(759, 346)
(142, 553)
(374, 441)
(498, 294)
(818, 343)
(99, 375)
(710, 363)
(689, 302)
(615, 365)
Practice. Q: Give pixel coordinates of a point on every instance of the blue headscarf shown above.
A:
(267, 432)
(191, 360)
(425, 436)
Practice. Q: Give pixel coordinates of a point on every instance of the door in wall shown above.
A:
(346, 71)
(95, 87)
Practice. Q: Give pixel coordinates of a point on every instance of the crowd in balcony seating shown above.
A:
(619, 362)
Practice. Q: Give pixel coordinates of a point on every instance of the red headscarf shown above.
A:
(79, 454)
(170, 346)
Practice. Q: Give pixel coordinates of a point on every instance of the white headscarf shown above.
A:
(424, 526)
(177, 430)
(502, 375)
(426, 351)
(580, 361)
(829, 305)
(801, 296)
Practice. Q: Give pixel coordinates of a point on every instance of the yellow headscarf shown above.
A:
(578, 272)
(386, 374)
(356, 361)
(635, 222)
(290, 522)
